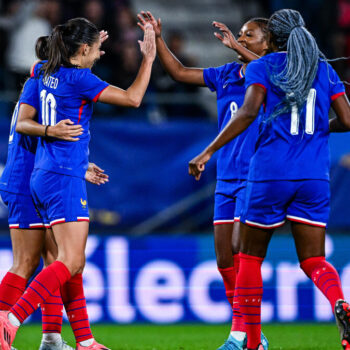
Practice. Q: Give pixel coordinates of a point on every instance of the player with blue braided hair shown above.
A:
(289, 172)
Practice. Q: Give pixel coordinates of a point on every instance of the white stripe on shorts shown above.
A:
(257, 224)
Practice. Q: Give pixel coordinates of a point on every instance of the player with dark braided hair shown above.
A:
(289, 172)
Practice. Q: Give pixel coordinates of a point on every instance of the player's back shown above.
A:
(293, 145)
(68, 93)
(21, 148)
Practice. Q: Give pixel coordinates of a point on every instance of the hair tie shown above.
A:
(297, 26)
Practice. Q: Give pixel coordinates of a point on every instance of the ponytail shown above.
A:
(288, 33)
(65, 42)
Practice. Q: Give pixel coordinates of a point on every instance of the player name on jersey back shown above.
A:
(51, 82)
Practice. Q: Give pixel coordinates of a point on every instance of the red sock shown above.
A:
(75, 305)
(11, 289)
(52, 313)
(43, 285)
(237, 319)
(249, 291)
(325, 277)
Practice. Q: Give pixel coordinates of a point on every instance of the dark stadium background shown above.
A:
(151, 224)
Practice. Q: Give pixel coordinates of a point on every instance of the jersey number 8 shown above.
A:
(48, 108)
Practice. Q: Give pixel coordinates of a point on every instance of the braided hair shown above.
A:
(288, 33)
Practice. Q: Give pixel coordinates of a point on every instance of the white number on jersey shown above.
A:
(13, 122)
(310, 115)
(48, 108)
(233, 109)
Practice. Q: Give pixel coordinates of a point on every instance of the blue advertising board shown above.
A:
(173, 278)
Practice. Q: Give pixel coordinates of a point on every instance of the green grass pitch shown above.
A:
(191, 336)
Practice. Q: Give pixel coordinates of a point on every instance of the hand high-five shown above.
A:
(148, 45)
(147, 17)
(227, 38)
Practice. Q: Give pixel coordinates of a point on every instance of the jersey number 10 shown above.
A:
(48, 108)
(310, 115)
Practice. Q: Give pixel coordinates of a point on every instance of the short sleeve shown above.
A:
(30, 95)
(213, 77)
(255, 74)
(89, 86)
(336, 86)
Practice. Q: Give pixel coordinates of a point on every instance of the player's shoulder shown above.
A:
(77, 75)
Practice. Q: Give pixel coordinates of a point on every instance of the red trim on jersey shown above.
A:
(33, 69)
(261, 85)
(55, 222)
(223, 222)
(84, 219)
(95, 99)
(36, 226)
(83, 103)
(301, 221)
(334, 97)
(14, 226)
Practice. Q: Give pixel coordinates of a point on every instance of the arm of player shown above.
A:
(228, 39)
(96, 175)
(169, 62)
(132, 97)
(341, 107)
(64, 130)
(253, 100)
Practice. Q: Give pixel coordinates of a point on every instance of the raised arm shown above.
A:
(64, 130)
(170, 63)
(341, 107)
(228, 39)
(132, 97)
(253, 100)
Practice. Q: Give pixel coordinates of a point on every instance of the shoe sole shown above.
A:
(343, 322)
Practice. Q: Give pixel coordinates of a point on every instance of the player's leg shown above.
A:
(309, 215)
(52, 308)
(26, 246)
(263, 211)
(224, 219)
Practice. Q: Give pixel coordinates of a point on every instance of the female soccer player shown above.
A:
(289, 172)
(27, 230)
(233, 159)
(66, 86)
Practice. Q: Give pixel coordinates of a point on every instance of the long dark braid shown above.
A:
(288, 33)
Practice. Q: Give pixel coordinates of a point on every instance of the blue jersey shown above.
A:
(233, 159)
(68, 93)
(293, 146)
(21, 149)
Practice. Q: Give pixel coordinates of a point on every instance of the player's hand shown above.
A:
(65, 130)
(96, 175)
(103, 37)
(197, 165)
(147, 17)
(226, 36)
(148, 45)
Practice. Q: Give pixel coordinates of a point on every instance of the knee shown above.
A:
(74, 264)
(25, 266)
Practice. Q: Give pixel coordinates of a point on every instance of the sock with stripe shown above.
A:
(229, 277)
(325, 277)
(248, 293)
(75, 304)
(44, 285)
(52, 314)
(237, 319)
(11, 289)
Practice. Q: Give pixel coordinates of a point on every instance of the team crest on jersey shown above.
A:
(83, 202)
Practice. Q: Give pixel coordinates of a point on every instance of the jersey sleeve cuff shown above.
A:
(261, 85)
(95, 99)
(335, 96)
